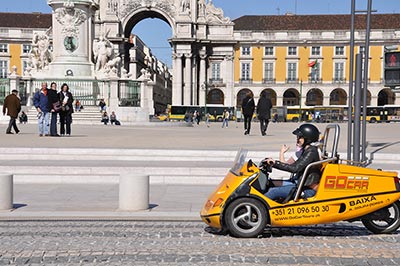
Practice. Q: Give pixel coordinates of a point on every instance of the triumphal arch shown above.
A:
(201, 34)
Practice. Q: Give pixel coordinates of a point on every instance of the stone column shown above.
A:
(202, 78)
(113, 102)
(177, 85)
(187, 93)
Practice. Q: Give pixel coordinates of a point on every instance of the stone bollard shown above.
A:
(133, 192)
(6, 191)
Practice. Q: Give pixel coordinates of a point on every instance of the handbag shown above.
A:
(57, 106)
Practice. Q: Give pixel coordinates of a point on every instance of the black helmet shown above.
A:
(309, 132)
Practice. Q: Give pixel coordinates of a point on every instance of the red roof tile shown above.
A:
(26, 21)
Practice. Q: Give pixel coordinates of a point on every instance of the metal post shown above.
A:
(301, 92)
(357, 109)
(365, 91)
(351, 74)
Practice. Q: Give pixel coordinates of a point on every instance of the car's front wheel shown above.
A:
(246, 217)
(386, 221)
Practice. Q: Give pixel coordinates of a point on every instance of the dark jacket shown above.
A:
(248, 106)
(13, 105)
(52, 97)
(309, 155)
(68, 106)
(264, 106)
(40, 100)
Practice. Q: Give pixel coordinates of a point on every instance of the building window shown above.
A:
(316, 50)
(24, 65)
(216, 71)
(3, 69)
(268, 72)
(292, 50)
(245, 74)
(339, 72)
(26, 48)
(246, 50)
(269, 50)
(315, 74)
(361, 50)
(339, 50)
(3, 48)
(292, 72)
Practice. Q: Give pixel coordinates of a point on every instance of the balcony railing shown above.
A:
(339, 80)
(314, 80)
(215, 81)
(269, 81)
(245, 81)
(292, 80)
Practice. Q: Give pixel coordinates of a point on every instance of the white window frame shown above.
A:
(24, 46)
(3, 48)
(315, 49)
(343, 71)
(269, 48)
(216, 70)
(291, 49)
(272, 77)
(242, 77)
(3, 68)
(336, 50)
(246, 50)
(289, 71)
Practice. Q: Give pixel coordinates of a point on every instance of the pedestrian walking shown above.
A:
(248, 107)
(208, 119)
(66, 100)
(225, 118)
(264, 107)
(41, 103)
(55, 108)
(12, 105)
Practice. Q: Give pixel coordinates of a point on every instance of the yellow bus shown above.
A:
(295, 114)
(178, 112)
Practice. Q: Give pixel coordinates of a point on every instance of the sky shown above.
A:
(155, 32)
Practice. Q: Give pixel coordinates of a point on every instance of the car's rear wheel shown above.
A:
(388, 220)
(246, 217)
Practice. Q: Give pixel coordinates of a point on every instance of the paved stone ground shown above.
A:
(189, 243)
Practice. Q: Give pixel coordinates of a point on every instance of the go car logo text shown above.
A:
(347, 182)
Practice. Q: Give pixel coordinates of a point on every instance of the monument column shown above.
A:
(72, 30)
(177, 88)
(187, 95)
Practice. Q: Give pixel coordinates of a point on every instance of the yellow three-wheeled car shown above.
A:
(345, 193)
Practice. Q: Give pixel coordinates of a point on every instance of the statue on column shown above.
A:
(215, 14)
(185, 6)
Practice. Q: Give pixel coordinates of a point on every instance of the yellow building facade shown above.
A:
(305, 60)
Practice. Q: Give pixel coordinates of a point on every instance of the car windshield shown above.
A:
(240, 160)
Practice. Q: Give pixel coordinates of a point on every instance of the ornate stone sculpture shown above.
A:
(185, 6)
(103, 52)
(214, 14)
(70, 18)
(40, 55)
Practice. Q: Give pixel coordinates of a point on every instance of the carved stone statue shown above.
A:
(103, 52)
(40, 55)
(214, 14)
(201, 7)
(185, 6)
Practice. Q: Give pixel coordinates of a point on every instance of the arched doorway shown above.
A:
(291, 97)
(215, 96)
(241, 95)
(270, 94)
(338, 97)
(386, 96)
(314, 97)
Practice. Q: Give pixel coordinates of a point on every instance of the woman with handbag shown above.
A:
(54, 107)
(66, 100)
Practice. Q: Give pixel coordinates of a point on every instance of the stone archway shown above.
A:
(194, 23)
(241, 95)
(291, 97)
(314, 97)
(270, 94)
(338, 97)
(215, 96)
(386, 96)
